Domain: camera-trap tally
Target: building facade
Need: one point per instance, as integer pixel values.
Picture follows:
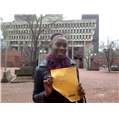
(95, 40)
(79, 34)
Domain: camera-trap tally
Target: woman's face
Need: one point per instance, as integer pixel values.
(58, 48)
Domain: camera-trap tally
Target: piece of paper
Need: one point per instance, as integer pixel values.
(66, 83)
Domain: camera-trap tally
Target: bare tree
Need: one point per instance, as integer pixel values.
(78, 52)
(110, 51)
(87, 53)
(36, 28)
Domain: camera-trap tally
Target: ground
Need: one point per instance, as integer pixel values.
(100, 87)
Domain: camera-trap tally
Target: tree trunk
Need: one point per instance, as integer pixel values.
(34, 68)
(30, 64)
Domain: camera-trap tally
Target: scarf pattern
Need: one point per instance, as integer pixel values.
(51, 64)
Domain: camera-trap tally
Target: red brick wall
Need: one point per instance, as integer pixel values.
(13, 59)
(77, 62)
(98, 62)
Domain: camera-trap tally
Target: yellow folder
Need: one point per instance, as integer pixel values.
(66, 83)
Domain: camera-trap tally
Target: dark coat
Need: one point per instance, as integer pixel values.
(41, 74)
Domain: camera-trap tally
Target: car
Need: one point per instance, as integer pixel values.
(115, 66)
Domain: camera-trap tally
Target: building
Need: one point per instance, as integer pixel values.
(79, 34)
(95, 40)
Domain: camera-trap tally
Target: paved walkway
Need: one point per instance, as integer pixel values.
(100, 87)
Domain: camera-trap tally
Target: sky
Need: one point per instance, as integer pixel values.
(108, 14)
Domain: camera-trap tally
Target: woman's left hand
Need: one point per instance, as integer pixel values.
(81, 92)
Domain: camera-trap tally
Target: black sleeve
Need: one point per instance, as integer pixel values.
(38, 92)
(82, 100)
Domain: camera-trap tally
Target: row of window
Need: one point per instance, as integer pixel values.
(52, 31)
(29, 42)
(48, 37)
(66, 25)
(76, 42)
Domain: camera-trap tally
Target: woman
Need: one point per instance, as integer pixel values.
(43, 90)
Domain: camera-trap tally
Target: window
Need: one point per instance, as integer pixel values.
(24, 37)
(83, 36)
(68, 25)
(65, 31)
(77, 30)
(83, 24)
(86, 24)
(80, 24)
(48, 37)
(68, 31)
(68, 37)
(49, 31)
(74, 24)
(93, 24)
(65, 25)
(71, 25)
(71, 31)
(89, 36)
(74, 36)
(59, 25)
(62, 25)
(80, 36)
(77, 36)
(77, 24)
(83, 30)
(80, 30)
(89, 24)
(69, 43)
(86, 37)
(74, 30)
(86, 30)
(71, 36)
(62, 31)
(54, 25)
(89, 30)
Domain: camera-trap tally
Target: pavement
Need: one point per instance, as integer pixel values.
(100, 87)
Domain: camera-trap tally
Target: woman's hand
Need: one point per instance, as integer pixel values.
(81, 92)
(48, 86)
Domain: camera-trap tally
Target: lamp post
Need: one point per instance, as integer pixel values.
(41, 53)
(40, 56)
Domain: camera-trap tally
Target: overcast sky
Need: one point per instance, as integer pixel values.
(108, 14)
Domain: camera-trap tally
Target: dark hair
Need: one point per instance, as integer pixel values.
(55, 34)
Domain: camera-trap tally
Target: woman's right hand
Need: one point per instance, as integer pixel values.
(48, 86)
